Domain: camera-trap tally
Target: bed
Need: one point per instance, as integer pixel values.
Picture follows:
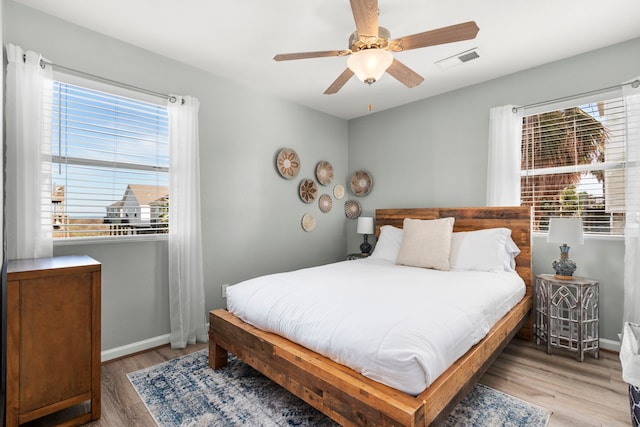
(349, 397)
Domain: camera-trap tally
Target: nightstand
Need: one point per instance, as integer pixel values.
(566, 314)
(351, 257)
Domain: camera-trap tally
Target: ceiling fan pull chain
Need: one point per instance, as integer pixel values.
(369, 107)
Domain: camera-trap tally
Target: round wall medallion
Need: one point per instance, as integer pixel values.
(324, 172)
(325, 203)
(308, 190)
(361, 183)
(288, 163)
(352, 209)
(308, 222)
(338, 191)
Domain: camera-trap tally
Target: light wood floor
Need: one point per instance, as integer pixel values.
(590, 393)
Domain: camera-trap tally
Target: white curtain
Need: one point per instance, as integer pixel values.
(503, 166)
(28, 131)
(186, 285)
(632, 201)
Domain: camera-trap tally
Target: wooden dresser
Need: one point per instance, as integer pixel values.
(53, 338)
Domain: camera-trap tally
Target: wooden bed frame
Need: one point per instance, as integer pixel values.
(354, 400)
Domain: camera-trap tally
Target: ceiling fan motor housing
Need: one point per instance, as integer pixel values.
(358, 43)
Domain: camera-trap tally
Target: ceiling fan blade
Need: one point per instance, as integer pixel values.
(306, 55)
(339, 82)
(365, 13)
(453, 33)
(404, 74)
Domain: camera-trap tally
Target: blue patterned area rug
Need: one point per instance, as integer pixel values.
(186, 392)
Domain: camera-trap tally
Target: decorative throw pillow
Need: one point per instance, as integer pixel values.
(426, 243)
(388, 244)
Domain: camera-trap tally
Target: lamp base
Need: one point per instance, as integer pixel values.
(559, 277)
(563, 266)
(365, 247)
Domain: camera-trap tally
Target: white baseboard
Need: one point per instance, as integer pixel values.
(136, 347)
(610, 345)
(125, 350)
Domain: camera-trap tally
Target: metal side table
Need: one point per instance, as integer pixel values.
(566, 314)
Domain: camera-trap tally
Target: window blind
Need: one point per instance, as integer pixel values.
(109, 164)
(573, 164)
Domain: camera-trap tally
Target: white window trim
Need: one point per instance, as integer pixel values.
(73, 79)
(99, 240)
(569, 103)
(66, 77)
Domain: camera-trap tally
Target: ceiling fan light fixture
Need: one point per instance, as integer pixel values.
(370, 64)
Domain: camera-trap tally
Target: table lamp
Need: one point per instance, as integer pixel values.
(365, 226)
(565, 230)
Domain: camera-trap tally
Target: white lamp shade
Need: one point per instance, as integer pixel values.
(370, 64)
(565, 230)
(365, 225)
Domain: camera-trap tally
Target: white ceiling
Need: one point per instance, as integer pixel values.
(237, 39)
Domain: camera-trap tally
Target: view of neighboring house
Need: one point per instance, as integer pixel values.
(57, 201)
(141, 207)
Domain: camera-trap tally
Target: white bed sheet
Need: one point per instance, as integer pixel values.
(402, 326)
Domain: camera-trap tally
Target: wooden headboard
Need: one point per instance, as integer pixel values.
(517, 218)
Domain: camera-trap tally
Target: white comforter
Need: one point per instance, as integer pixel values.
(401, 326)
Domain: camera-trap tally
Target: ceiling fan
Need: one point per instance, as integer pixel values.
(370, 47)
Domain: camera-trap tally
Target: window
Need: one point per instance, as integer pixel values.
(109, 165)
(573, 164)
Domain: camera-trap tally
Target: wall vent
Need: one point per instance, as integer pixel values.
(460, 58)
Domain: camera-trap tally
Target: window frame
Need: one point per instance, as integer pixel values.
(560, 104)
(112, 89)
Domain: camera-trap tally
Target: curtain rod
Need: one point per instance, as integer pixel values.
(171, 98)
(634, 84)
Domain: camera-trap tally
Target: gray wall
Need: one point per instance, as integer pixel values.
(429, 153)
(434, 153)
(251, 216)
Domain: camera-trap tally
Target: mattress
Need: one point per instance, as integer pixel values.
(398, 325)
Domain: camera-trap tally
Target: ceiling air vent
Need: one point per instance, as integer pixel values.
(452, 61)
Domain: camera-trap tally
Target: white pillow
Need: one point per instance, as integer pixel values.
(512, 251)
(388, 244)
(491, 249)
(426, 243)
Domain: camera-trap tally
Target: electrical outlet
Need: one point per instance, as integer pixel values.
(224, 290)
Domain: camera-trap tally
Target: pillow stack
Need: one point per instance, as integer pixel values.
(433, 244)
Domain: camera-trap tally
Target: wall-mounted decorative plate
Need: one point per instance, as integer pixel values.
(352, 209)
(361, 183)
(288, 163)
(308, 190)
(324, 172)
(308, 222)
(338, 191)
(325, 203)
